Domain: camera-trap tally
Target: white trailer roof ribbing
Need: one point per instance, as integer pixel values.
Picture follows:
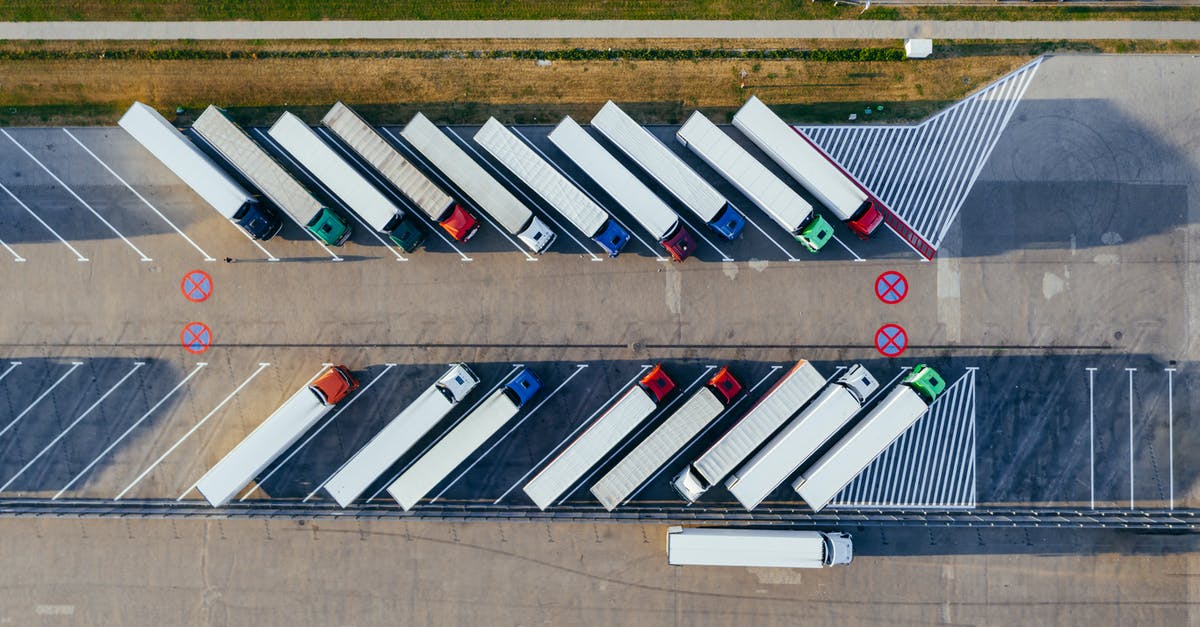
(745, 547)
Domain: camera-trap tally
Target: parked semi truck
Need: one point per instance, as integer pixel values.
(600, 437)
(648, 209)
(673, 434)
(753, 179)
(551, 185)
(439, 206)
(475, 182)
(698, 546)
(236, 147)
(319, 158)
(811, 167)
(797, 441)
(784, 399)
(468, 435)
(394, 440)
(275, 435)
(888, 420)
(669, 170)
(193, 167)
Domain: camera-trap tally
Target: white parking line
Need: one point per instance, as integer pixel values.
(634, 438)
(334, 256)
(632, 232)
(174, 446)
(16, 257)
(578, 369)
(851, 250)
(408, 206)
(207, 257)
(78, 255)
(415, 156)
(1092, 432)
(64, 432)
(12, 365)
(1131, 371)
(1170, 435)
(620, 391)
(392, 248)
(789, 254)
(133, 426)
(532, 204)
(76, 196)
(483, 398)
(74, 365)
(316, 431)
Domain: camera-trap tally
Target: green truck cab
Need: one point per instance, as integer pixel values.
(330, 227)
(926, 381)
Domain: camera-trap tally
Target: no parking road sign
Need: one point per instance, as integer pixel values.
(891, 340)
(197, 286)
(891, 287)
(196, 337)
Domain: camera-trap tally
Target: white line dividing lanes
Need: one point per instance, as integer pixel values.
(12, 365)
(74, 365)
(261, 367)
(78, 255)
(318, 430)
(1171, 435)
(571, 435)
(1092, 431)
(207, 257)
(16, 257)
(64, 432)
(110, 447)
(1131, 371)
(76, 196)
(578, 369)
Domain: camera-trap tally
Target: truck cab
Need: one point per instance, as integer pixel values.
(537, 236)
(612, 238)
(333, 385)
(522, 388)
(680, 243)
(865, 220)
(689, 485)
(728, 223)
(329, 227)
(657, 383)
(460, 223)
(407, 234)
(258, 220)
(814, 235)
(926, 381)
(839, 548)
(456, 384)
(860, 382)
(725, 386)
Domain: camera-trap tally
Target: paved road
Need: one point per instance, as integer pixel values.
(604, 29)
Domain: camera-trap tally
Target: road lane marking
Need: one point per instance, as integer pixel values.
(78, 255)
(174, 446)
(12, 365)
(1171, 435)
(77, 197)
(74, 365)
(64, 432)
(1131, 371)
(1092, 432)
(16, 256)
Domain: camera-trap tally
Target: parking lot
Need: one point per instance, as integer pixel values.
(1064, 333)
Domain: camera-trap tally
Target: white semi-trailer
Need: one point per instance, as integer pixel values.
(673, 434)
(811, 167)
(551, 185)
(669, 170)
(394, 440)
(236, 147)
(699, 546)
(648, 209)
(278, 432)
(802, 437)
(753, 179)
(319, 158)
(193, 167)
(468, 435)
(475, 182)
(888, 420)
(784, 399)
(600, 437)
(404, 176)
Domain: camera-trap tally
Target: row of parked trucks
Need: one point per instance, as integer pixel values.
(797, 418)
(329, 153)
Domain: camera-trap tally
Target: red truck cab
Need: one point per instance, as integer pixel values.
(866, 220)
(460, 224)
(334, 384)
(725, 386)
(657, 383)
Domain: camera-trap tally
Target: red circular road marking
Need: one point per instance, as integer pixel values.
(196, 337)
(891, 287)
(891, 340)
(197, 286)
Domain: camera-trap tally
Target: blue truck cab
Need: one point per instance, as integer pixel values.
(522, 388)
(728, 223)
(258, 220)
(612, 237)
